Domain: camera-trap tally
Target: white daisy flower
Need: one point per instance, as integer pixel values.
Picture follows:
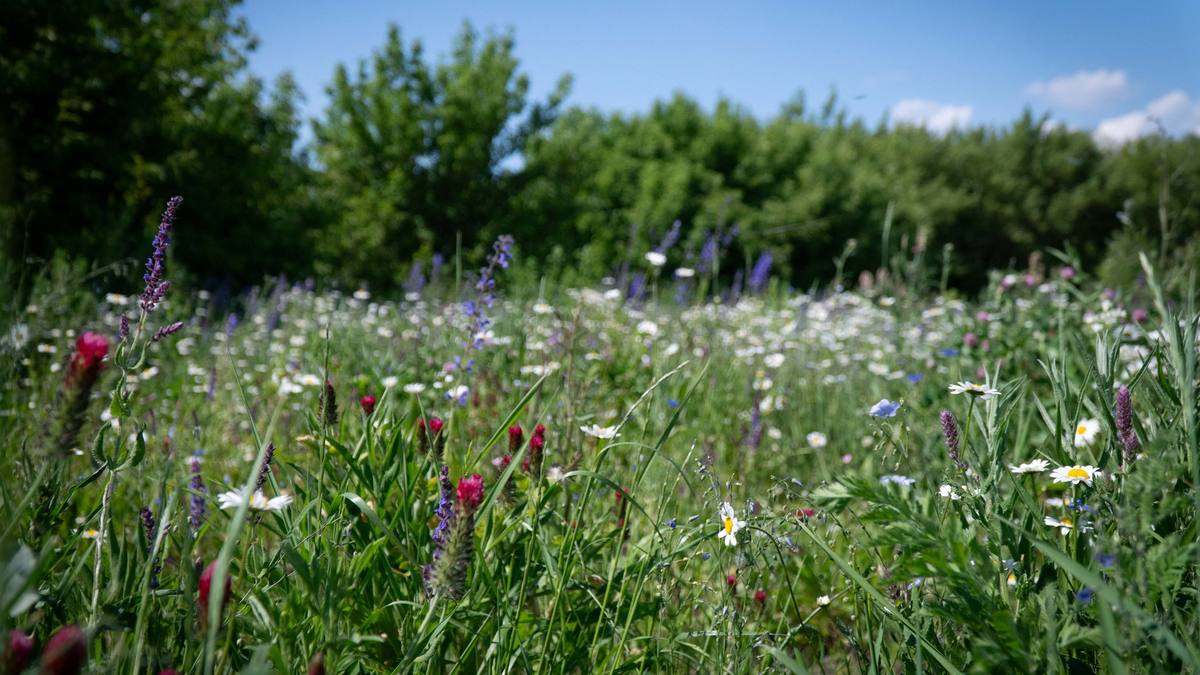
(897, 480)
(647, 327)
(1063, 524)
(685, 273)
(1075, 474)
(730, 525)
(823, 601)
(1032, 466)
(390, 382)
(949, 492)
(597, 431)
(773, 360)
(90, 533)
(258, 501)
(816, 440)
(656, 259)
(542, 308)
(414, 388)
(1085, 432)
(983, 391)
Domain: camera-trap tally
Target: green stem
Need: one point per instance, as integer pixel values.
(105, 501)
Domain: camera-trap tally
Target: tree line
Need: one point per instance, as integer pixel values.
(106, 109)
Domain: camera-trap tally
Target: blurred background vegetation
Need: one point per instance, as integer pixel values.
(106, 109)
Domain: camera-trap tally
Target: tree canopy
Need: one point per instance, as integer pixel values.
(107, 109)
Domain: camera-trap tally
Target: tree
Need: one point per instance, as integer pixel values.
(107, 109)
(416, 156)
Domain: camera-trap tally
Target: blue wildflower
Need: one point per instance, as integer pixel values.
(1085, 595)
(1079, 505)
(708, 254)
(885, 408)
(416, 279)
(761, 273)
(671, 237)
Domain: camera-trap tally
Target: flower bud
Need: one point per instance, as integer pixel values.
(329, 408)
(87, 361)
(66, 652)
(206, 578)
(368, 404)
(317, 665)
(18, 653)
(470, 491)
(516, 436)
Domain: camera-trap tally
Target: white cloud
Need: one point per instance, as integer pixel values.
(1085, 89)
(1175, 111)
(1120, 130)
(938, 118)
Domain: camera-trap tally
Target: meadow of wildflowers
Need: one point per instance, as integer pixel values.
(632, 477)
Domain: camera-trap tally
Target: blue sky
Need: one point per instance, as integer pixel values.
(1108, 67)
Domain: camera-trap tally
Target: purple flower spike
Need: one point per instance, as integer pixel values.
(156, 285)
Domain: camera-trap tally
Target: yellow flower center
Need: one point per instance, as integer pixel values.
(728, 525)
(1065, 522)
(1080, 430)
(1077, 472)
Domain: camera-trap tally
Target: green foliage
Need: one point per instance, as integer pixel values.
(106, 107)
(415, 155)
(873, 549)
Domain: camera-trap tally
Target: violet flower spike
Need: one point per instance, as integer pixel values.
(761, 273)
(671, 238)
(151, 529)
(197, 515)
(156, 285)
(1124, 419)
(754, 438)
(169, 329)
(265, 470)
(950, 432)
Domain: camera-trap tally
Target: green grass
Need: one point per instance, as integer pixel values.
(606, 557)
